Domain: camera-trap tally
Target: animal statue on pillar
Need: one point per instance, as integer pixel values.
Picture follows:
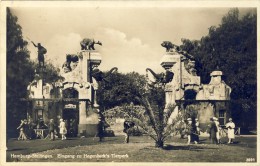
(163, 78)
(100, 76)
(169, 46)
(88, 44)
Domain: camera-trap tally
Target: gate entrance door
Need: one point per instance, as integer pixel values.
(71, 117)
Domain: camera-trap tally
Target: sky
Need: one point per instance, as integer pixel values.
(131, 36)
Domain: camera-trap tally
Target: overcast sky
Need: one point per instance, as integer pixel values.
(131, 37)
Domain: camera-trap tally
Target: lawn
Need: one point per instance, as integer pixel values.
(140, 149)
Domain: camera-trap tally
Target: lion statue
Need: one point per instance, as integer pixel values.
(169, 46)
(88, 44)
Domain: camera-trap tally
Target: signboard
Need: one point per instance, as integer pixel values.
(70, 106)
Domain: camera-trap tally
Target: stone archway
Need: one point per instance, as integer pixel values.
(70, 112)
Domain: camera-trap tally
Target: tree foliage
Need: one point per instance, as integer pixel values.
(121, 89)
(231, 48)
(127, 90)
(20, 72)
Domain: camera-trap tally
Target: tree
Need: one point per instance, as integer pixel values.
(120, 90)
(231, 48)
(152, 118)
(20, 72)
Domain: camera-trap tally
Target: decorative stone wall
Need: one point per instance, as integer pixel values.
(77, 76)
(207, 99)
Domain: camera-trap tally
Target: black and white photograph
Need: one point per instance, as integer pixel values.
(128, 83)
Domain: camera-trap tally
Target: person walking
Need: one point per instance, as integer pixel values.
(22, 135)
(212, 131)
(51, 130)
(231, 131)
(101, 129)
(127, 126)
(189, 130)
(63, 130)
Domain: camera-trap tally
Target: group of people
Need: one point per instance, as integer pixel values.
(27, 129)
(192, 130)
(24, 130)
(62, 129)
(215, 130)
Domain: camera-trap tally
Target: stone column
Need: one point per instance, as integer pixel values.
(167, 62)
(82, 112)
(88, 116)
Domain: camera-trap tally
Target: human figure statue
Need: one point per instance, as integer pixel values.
(41, 52)
(231, 131)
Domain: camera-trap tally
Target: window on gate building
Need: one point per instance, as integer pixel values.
(222, 117)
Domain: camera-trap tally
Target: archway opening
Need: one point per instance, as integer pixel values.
(190, 94)
(70, 112)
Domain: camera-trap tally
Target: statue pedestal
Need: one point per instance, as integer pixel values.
(169, 59)
(88, 117)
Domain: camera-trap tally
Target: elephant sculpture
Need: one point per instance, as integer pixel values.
(88, 44)
(163, 78)
(99, 75)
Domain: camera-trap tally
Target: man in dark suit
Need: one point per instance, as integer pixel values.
(127, 125)
(51, 129)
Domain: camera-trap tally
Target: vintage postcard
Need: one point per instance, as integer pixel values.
(129, 82)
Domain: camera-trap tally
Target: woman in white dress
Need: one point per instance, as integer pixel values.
(231, 131)
(63, 129)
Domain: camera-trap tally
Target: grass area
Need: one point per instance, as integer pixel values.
(141, 149)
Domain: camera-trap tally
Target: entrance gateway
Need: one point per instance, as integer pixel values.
(72, 99)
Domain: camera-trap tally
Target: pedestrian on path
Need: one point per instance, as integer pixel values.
(127, 126)
(22, 135)
(63, 130)
(51, 130)
(212, 131)
(231, 131)
(189, 130)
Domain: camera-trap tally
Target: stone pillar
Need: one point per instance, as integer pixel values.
(88, 116)
(169, 60)
(82, 112)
